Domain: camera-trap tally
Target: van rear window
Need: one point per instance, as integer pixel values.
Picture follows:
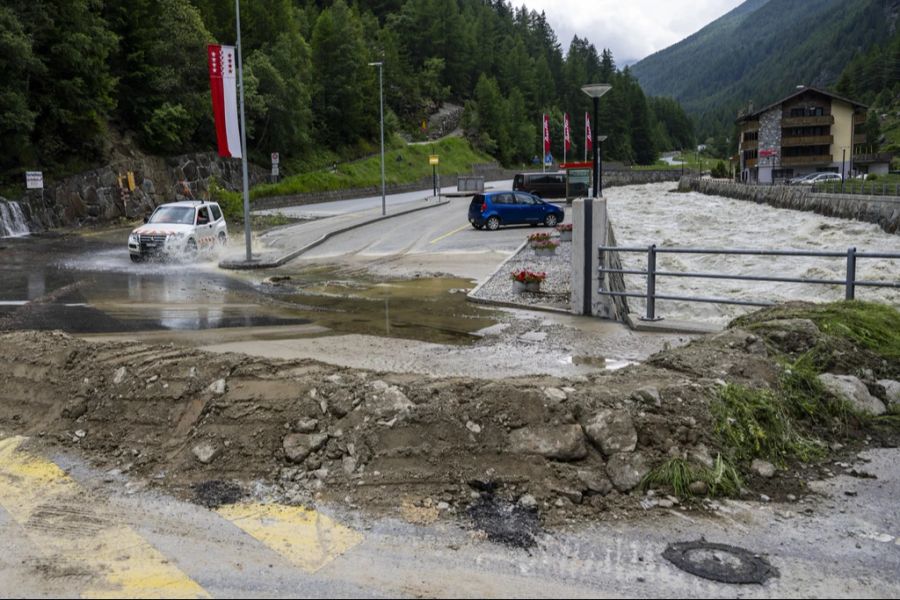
(477, 201)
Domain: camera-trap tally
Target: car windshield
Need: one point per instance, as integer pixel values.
(180, 215)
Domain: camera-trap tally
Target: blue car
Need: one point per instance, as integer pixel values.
(493, 209)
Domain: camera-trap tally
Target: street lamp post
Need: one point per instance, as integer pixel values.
(843, 162)
(595, 90)
(600, 140)
(380, 66)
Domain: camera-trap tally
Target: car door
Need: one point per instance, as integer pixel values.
(219, 220)
(205, 227)
(529, 207)
(507, 208)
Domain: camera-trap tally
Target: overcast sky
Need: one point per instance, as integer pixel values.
(632, 29)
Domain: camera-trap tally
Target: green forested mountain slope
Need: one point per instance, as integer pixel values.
(74, 69)
(760, 51)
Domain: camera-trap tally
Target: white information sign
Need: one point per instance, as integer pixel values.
(34, 180)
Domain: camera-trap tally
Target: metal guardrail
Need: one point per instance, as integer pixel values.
(850, 186)
(849, 282)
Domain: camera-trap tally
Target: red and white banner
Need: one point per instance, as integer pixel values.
(588, 138)
(546, 135)
(223, 85)
(567, 133)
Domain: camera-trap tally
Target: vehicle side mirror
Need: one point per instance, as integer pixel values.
(146, 219)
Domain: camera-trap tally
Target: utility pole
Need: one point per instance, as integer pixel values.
(237, 12)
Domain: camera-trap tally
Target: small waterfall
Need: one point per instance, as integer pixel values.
(12, 220)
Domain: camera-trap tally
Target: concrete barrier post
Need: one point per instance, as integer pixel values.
(590, 226)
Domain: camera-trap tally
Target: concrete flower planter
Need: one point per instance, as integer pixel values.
(520, 287)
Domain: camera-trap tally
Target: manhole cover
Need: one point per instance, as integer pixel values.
(719, 562)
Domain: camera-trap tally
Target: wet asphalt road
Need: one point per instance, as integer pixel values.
(87, 284)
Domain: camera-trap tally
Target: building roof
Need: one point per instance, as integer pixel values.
(798, 92)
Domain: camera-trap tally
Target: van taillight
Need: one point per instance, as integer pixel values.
(483, 206)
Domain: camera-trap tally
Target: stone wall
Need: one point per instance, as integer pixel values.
(883, 210)
(96, 196)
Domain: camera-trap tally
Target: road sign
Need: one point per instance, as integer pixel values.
(433, 160)
(274, 158)
(274, 169)
(34, 180)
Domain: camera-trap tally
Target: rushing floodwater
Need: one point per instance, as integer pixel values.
(644, 215)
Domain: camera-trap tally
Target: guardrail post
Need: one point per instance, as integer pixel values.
(851, 274)
(651, 283)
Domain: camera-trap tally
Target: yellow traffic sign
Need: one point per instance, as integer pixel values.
(433, 159)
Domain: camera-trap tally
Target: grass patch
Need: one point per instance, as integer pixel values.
(873, 326)
(402, 164)
(721, 479)
(754, 423)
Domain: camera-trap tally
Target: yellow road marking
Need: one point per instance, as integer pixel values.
(73, 529)
(446, 235)
(305, 537)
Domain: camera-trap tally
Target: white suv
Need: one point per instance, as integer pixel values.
(179, 229)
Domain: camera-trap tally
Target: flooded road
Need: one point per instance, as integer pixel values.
(87, 284)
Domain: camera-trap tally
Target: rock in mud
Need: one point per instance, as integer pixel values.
(892, 391)
(698, 488)
(791, 335)
(119, 377)
(763, 468)
(626, 470)
(853, 391)
(218, 387)
(555, 394)
(76, 408)
(297, 446)
(612, 431)
(389, 401)
(205, 452)
(565, 442)
(650, 395)
(595, 481)
(306, 425)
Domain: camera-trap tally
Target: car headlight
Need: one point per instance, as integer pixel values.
(178, 236)
(133, 239)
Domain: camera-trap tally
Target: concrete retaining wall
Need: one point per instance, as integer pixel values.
(882, 210)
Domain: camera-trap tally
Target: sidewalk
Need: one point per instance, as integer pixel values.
(284, 244)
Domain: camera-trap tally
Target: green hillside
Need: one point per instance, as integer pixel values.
(760, 51)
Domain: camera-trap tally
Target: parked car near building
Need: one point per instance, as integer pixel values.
(493, 209)
(179, 229)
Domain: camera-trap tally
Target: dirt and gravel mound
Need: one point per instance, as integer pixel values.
(198, 424)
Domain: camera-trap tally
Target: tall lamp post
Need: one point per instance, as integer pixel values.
(380, 66)
(595, 90)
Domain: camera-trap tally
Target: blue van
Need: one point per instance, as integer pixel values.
(493, 209)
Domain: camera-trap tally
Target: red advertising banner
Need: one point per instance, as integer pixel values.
(223, 86)
(567, 134)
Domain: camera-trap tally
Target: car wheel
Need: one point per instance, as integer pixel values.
(190, 249)
(136, 258)
(493, 224)
(551, 220)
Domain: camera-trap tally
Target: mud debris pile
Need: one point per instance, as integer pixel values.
(304, 432)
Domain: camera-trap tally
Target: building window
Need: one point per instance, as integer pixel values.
(822, 150)
(750, 155)
(750, 136)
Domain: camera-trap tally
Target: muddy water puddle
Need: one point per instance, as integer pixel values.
(432, 309)
(87, 284)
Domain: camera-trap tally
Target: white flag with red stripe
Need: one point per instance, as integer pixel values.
(546, 134)
(223, 85)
